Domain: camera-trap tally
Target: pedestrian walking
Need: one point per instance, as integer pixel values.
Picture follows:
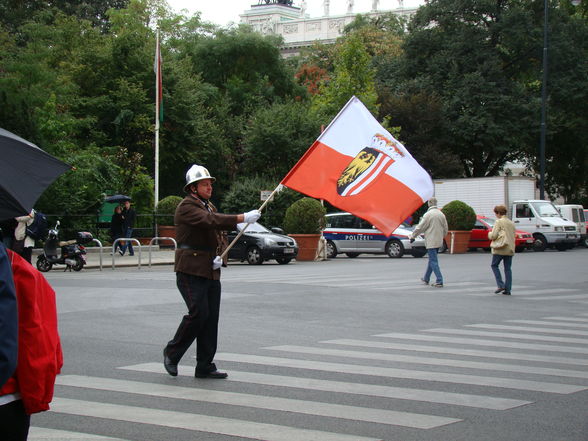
(117, 228)
(433, 226)
(25, 243)
(201, 241)
(503, 249)
(129, 216)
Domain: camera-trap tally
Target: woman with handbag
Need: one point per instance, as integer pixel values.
(503, 248)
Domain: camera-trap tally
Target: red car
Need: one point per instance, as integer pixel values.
(479, 237)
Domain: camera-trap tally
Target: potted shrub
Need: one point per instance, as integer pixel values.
(460, 221)
(165, 211)
(304, 221)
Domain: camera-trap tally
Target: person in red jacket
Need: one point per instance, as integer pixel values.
(30, 389)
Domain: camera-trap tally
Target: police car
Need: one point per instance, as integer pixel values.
(351, 235)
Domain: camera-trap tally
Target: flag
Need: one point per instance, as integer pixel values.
(158, 84)
(357, 166)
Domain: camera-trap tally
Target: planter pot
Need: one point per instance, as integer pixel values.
(166, 231)
(307, 245)
(458, 241)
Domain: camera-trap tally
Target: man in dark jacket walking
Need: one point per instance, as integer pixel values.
(129, 216)
(201, 241)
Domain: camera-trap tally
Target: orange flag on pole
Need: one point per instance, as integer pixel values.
(357, 166)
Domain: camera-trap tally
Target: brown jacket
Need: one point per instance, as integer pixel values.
(202, 231)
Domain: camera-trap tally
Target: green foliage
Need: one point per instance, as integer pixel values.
(353, 75)
(142, 194)
(166, 208)
(460, 216)
(244, 195)
(305, 216)
(277, 138)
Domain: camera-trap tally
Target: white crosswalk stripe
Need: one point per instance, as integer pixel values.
(397, 358)
(457, 351)
(510, 335)
(543, 365)
(403, 393)
(487, 342)
(356, 413)
(529, 329)
(196, 422)
(44, 434)
(479, 380)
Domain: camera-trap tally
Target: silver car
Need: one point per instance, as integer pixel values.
(349, 234)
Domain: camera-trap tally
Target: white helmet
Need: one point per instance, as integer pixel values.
(195, 174)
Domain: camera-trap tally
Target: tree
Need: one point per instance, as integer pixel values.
(476, 56)
(352, 75)
(277, 138)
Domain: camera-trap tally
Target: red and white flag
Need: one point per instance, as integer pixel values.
(357, 166)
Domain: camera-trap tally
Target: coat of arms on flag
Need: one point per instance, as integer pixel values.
(357, 166)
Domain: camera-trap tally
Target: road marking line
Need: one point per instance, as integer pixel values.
(377, 371)
(355, 413)
(193, 421)
(483, 342)
(431, 361)
(529, 329)
(44, 434)
(547, 323)
(509, 335)
(457, 351)
(373, 390)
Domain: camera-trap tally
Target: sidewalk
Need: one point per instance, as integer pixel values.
(159, 256)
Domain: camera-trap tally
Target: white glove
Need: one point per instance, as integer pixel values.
(217, 263)
(251, 216)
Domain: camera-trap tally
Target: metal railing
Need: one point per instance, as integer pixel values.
(129, 239)
(158, 239)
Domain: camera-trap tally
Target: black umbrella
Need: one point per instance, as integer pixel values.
(25, 172)
(117, 198)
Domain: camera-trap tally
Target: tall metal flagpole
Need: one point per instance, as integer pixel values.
(157, 104)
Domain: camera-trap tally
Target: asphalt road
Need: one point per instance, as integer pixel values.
(346, 349)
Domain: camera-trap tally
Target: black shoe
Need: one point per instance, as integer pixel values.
(499, 290)
(131, 254)
(121, 252)
(506, 293)
(170, 366)
(212, 374)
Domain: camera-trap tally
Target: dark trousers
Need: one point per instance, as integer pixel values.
(14, 422)
(202, 297)
(128, 244)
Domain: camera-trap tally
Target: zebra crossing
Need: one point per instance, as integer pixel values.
(423, 381)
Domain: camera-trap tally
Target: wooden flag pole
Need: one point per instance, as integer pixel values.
(222, 256)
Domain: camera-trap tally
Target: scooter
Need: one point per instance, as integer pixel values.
(72, 253)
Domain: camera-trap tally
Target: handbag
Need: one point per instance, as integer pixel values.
(500, 241)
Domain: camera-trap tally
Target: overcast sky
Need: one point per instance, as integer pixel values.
(223, 12)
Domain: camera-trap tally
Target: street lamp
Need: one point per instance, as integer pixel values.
(544, 100)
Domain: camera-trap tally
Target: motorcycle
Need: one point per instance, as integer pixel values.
(70, 253)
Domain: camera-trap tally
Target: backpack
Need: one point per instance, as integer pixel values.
(39, 228)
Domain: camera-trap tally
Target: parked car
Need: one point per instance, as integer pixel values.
(349, 234)
(258, 244)
(483, 225)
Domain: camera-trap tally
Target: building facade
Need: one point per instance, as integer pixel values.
(298, 29)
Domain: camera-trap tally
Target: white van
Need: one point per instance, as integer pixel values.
(544, 222)
(349, 234)
(575, 213)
